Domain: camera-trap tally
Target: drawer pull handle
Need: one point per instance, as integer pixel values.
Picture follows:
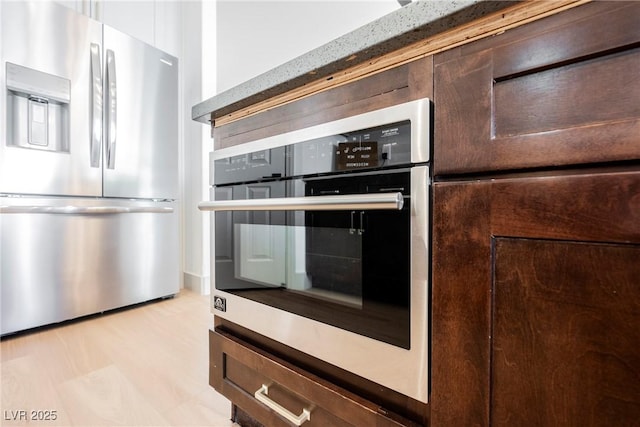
(262, 396)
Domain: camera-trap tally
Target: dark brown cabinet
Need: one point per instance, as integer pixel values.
(536, 301)
(536, 224)
(564, 342)
(560, 91)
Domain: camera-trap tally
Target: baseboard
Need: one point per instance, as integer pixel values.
(196, 283)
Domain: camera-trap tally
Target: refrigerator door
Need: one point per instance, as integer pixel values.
(62, 258)
(50, 100)
(141, 119)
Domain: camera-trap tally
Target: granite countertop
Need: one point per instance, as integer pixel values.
(414, 22)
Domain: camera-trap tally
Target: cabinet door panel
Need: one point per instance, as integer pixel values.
(535, 277)
(565, 334)
(562, 97)
(591, 206)
(563, 93)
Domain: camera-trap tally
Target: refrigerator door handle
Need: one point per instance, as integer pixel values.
(112, 109)
(96, 106)
(84, 210)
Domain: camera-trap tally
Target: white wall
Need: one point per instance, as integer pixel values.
(198, 54)
(256, 36)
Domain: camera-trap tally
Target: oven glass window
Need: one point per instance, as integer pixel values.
(320, 262)
(347, 268)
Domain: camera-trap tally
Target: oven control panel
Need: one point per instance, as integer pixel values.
(373, 148)
(257, 166)
(379, 147)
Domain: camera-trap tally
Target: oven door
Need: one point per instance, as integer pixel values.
(346, 265)
(336, 267)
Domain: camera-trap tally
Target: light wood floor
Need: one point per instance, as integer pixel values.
(145, 366)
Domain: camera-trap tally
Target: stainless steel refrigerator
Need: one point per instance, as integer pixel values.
(88, 167)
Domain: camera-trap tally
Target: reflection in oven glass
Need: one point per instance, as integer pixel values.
(321, 262)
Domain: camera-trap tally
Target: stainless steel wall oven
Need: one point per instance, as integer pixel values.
(321, 242)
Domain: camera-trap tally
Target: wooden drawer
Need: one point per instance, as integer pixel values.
(239, 370)
(560, 91)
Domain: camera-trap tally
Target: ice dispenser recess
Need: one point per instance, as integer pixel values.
(37, 109)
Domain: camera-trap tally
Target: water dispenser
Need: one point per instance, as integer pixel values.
(37, 109)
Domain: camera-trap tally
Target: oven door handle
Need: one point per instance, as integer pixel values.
(388, 201)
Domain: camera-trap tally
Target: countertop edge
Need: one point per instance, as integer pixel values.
(410, 24)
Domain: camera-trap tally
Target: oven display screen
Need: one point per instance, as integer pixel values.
(356, 155)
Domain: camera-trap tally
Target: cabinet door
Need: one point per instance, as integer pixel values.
(536, 301)
(560, 91)
(566, 328)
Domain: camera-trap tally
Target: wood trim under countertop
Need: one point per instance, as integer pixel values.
(517, 15)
